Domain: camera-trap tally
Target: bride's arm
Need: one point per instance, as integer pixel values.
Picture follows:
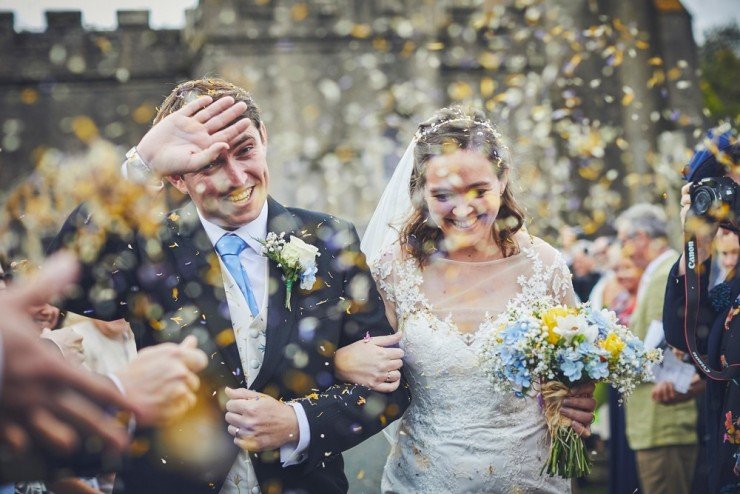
(374, 362)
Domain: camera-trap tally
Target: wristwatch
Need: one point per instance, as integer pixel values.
(136, 168)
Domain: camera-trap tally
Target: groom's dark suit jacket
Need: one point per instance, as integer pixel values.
(169, 285)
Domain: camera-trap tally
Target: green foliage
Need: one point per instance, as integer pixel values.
(720, 66)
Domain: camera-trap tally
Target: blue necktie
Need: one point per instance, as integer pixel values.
(229, 247)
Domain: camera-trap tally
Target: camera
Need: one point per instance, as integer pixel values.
(715, 198)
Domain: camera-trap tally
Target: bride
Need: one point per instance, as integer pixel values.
(448, 252)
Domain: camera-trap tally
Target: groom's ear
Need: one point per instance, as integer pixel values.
(178, 182)
(263, 133)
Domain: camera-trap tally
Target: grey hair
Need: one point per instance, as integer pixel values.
(644, 217)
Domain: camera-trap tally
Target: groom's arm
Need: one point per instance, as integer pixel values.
(108, 261)
(344, 415)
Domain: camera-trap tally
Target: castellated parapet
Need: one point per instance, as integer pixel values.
(65, 86)
(67, 52)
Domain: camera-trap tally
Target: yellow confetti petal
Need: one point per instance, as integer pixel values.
(225, 338)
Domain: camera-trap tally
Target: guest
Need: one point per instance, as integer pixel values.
(662, 431)
(583, 267)
(49, 407)
(623, 476)
(717, 321)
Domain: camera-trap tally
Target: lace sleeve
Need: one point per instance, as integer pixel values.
(562, 282)
(383, 274)
(557, 276)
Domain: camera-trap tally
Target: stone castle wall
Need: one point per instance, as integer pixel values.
(343, 83)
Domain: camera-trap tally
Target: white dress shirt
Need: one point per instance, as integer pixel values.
(254, 263)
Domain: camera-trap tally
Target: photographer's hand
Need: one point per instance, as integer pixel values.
(704, 230)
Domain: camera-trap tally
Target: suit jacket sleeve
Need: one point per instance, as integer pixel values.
(674, 309)
(109, 265)
(344, 415)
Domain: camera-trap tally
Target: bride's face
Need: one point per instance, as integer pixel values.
(463, 195)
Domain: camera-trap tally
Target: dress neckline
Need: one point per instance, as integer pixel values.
(477, 263)
(524, 240)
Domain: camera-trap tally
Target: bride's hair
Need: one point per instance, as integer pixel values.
(448, 130)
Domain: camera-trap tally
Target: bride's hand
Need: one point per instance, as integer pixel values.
(371, 363)
(579, 406)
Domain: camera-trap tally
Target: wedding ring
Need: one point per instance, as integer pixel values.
(593, 418)
(236, 434)
(388, 376)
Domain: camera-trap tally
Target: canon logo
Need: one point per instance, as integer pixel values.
(692, 255)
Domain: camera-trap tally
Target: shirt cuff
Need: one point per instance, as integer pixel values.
(119, 385)
(154, 186)
(292, 453)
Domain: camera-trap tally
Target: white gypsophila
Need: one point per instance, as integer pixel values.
(273, 243)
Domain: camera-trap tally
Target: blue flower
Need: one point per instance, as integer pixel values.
(597, 369)
(596, 317)
(308, 278)
(514, 332)
(571, 364)
(586, 349)
(520, 378)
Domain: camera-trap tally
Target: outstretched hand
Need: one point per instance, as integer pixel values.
(46, 403)
(579, 406)
(187, 140)
(162, 380)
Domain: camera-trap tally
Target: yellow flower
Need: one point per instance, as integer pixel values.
(612, 344)
(550, 320)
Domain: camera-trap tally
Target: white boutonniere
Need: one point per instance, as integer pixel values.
(296, 258)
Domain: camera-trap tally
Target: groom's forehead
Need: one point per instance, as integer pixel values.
(252, 131)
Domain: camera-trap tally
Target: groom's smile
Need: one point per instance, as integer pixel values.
(241, 196)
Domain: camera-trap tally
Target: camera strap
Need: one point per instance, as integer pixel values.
(691, 320)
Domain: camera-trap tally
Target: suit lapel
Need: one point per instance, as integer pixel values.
(196, 263)
(280, 321)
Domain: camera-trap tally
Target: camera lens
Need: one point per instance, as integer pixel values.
(702, 201)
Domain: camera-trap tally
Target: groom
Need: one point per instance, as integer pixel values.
(270, 386)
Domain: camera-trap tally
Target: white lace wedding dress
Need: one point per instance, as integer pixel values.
(459, 435)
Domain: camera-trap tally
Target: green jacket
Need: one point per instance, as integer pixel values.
(651, 424)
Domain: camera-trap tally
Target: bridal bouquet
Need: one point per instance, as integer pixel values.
(545, 348)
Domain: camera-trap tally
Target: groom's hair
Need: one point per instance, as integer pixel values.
(186, 92)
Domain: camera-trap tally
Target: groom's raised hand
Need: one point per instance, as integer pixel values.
(193, 136)
(258, 421)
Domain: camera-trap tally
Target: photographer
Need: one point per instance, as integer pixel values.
(718, 326)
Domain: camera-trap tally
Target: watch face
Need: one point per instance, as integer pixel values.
(135, 161)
